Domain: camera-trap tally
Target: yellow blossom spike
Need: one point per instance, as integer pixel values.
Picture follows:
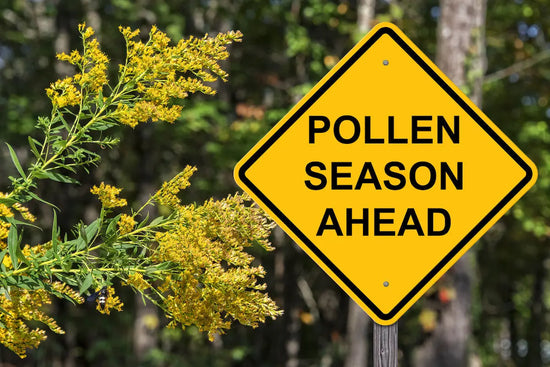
(107, 194)
(136, 280)
(126, 224)
(168, 194)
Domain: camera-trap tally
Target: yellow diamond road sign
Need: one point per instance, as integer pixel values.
(385, 173)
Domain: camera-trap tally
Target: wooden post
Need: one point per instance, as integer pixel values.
(385, 345)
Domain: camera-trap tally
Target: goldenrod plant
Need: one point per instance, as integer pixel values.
(191, 263)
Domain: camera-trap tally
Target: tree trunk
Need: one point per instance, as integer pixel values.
(537, 325)
(357, 334)
(292, 322)
(460, 39)
(146, 322)
(365, 15)
(93, 19)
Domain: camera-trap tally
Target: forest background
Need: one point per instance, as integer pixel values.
(492, 307)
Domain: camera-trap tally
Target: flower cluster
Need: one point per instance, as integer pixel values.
(19, 306)
(168, 193)
(7, 212)
(126, 224)
(92, 64)
(162, 73)
(61, 289)
(25, 214)
(193, 263)
(136, 281)
(112, 302)
(216, 283)
(107, 194)
(64, 93)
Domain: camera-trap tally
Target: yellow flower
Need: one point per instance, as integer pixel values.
(64, 289)
(74, 58)
(128, 33)
(5, 211)
(24, 211)
(168, 193)
(136, 280)
(126, 224)
(4, 230)
(108, 195)
(20, 305)
(64, 93)
(217, 283)
(157, 71)
(86, 32)
(92, 63)
(112, 302)
(7, 261)
(94, 67)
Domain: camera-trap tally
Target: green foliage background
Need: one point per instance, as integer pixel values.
(288, 46)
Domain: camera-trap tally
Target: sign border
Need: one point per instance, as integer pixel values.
(439, 77)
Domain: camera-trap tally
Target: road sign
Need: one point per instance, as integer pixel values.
(385, 173)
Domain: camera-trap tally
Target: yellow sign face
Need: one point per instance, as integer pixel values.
(385, 173)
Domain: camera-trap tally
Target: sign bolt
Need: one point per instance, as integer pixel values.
(386, 284)
(385, 62)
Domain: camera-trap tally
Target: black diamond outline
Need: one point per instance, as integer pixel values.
(292, 119)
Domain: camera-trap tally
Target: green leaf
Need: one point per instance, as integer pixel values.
(143, 223)
(66, 279)
(32, 144)
(162, 266)
(8, 202)
(59, 144)
(81, 233)
(54, 235)
(125, 246)
(13, 245)
(2, 267)
(36, 197)
(85, 116)
(56, 177)
(86, 284)
(102, 126)
(67, 265)
(112, 227)
(10, 280)
(16, 161)
(80, 243)
(29, 283)
(65, 124)
(99, 99)
(156, 221)
(14, 221)
(91, 229)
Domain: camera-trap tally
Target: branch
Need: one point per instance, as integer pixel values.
(517, 67)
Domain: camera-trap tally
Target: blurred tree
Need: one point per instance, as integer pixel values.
(459, 46)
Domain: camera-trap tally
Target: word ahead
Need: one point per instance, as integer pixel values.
(410, 222)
